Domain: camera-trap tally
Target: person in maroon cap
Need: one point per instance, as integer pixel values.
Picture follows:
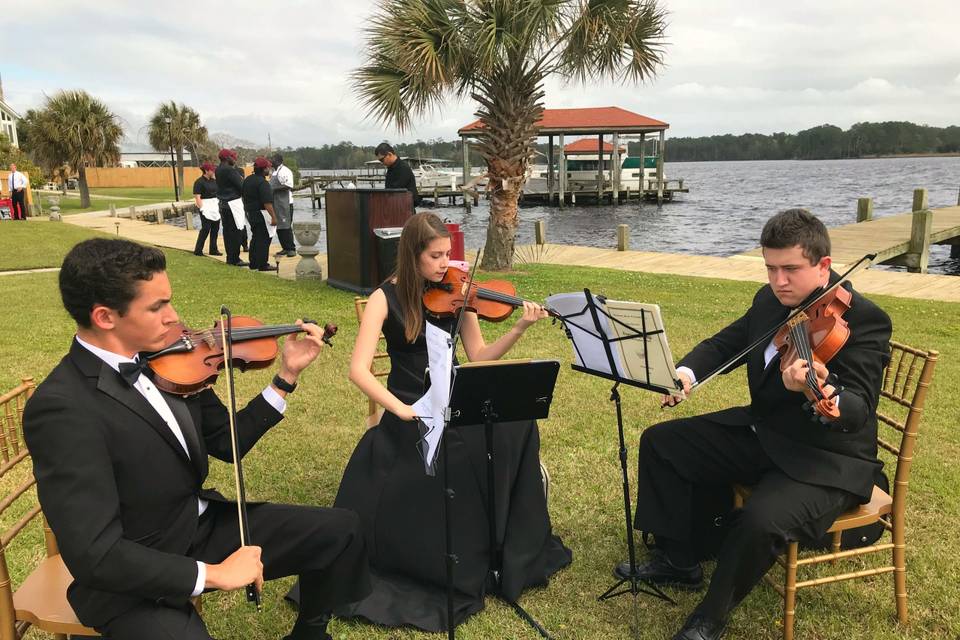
(229, 183)
(205, 197)
(258, 205)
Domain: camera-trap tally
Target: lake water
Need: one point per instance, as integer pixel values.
(728, 204)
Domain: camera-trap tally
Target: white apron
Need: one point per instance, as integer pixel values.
(210, 209)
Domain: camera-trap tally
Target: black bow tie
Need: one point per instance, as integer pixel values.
(130, 371)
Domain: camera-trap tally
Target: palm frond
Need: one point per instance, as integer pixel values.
(617, 39)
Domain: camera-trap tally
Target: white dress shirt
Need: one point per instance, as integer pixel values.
(285, 177)
(152, 395)
(17, 180)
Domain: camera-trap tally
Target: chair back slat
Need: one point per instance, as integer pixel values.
(905, 385)
(19, 491)
(13, 452)
(380, 367)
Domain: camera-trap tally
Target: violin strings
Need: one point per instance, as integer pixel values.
(249, 333)
(803, 349)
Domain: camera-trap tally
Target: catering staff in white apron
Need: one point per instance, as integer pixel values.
(281, 181)
(205, 197)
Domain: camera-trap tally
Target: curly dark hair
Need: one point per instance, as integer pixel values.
(105, 271)
(795, 227)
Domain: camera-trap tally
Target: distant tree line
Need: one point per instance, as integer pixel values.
(864, 139)
(346, 155)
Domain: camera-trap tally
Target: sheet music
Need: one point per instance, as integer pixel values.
(588, 351)
(640, 357)
(431, 407)
(631, 355)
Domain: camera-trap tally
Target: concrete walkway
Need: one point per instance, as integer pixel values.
(171, 237)
(739, 267)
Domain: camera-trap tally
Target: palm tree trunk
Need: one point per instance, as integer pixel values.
(501, 230)
(84, 189)
(510, 106)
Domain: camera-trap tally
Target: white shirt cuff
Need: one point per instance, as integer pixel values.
(274, 400)
(689, 373)
(201, 579)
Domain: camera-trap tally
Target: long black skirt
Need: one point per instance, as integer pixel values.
(401, 510)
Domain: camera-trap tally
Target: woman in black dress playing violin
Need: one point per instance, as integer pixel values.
(400, 506)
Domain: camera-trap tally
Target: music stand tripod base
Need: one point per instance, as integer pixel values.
(485, 393)
(633, 585)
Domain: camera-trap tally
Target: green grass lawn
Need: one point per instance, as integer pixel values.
(101, 199)
(145, 193)
(302, 459)
(35, 244)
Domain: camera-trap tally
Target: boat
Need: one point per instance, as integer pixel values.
(582, 164)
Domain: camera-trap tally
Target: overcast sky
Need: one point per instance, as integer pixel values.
(281, 67)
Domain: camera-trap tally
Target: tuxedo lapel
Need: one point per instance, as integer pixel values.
(110, 383)
(189, 429)
(767, 314)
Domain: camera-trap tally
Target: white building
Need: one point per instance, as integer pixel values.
(8, 120)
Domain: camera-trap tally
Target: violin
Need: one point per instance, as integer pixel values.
(492, 300)
(816, 335)
(193, 360)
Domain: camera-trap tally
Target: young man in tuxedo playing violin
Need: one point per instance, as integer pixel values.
(120, 468)
(803, 473)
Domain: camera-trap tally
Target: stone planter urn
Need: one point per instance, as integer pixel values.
(54, 202)
(307, 235)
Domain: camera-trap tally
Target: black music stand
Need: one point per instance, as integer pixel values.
(502, 391)
(588, 320)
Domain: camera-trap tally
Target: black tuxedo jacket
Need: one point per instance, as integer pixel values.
(117, 487)
(842, 455)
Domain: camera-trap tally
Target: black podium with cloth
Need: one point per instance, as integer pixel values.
(352, 216)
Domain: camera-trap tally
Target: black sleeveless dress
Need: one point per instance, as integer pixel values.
(401, 507)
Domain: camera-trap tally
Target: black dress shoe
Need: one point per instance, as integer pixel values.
(240, 263)
(198, 253)
(292, 254)
(698, 627)
(325, 636)
(269, 267)
(656, 570)
(214, 253)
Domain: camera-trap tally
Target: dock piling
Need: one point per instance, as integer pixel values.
(540, 231)
(918, 254)
(623, 237)
(864, 209)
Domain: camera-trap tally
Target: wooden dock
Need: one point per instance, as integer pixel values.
(903, 239)
(921, 286)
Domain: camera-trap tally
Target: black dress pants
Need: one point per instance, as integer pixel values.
(323, 546)
(18, 205)
(677, 455)
(231, 235)
(211, 228)
(259, 255)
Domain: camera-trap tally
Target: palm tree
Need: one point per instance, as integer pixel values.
(74, 129)
(499, 52)
(177, 125)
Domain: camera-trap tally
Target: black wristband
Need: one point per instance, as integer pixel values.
(283, 385)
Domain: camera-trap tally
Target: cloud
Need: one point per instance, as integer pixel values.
(283, 69)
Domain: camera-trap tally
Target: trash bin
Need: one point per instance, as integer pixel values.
(388, 241)
(456, 241)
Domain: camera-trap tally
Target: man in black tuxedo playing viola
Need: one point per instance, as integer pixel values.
(120, 467)
(804, 473)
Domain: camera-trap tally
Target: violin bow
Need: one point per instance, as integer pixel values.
(463, 307)
(863, 262)
(226, 334)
